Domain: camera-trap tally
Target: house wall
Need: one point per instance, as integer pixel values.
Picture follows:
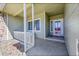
(40, 34)
(71, 27)
(15, 24)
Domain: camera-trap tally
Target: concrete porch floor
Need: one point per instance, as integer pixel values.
(47, 48)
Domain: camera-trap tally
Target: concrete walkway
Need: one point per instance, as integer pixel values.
(47, 48)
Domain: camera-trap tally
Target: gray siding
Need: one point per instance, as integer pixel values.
(15, 24)
(40, 34)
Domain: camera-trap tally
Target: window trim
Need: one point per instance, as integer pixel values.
(39, 25)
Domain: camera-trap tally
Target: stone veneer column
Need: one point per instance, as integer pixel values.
(4, 32)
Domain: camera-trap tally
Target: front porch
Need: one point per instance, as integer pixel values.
(34, 18)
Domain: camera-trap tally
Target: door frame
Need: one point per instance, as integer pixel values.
(50, 25)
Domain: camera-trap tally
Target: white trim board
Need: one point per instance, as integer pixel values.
(50, 25)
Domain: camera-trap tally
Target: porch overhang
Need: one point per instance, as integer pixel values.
(17, 9)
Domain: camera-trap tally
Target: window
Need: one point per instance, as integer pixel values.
(36, 25)
(29, 25)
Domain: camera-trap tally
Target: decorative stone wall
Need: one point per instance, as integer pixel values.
(4, 32)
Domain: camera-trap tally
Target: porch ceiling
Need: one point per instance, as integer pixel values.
(13, 9)
(51, 8)
(17, 9)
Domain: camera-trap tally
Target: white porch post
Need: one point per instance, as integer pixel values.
(44, 26)
(33, 23)
(25, 18)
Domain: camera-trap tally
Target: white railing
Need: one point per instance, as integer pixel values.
(19, 35)
(29, 38)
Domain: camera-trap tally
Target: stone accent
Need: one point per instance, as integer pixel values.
(11, 48)
(4, 31)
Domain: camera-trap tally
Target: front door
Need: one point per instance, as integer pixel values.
(58, 27)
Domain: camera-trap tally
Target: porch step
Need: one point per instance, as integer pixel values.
(56, 39)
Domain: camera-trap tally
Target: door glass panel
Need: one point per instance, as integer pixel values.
(51, 25)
